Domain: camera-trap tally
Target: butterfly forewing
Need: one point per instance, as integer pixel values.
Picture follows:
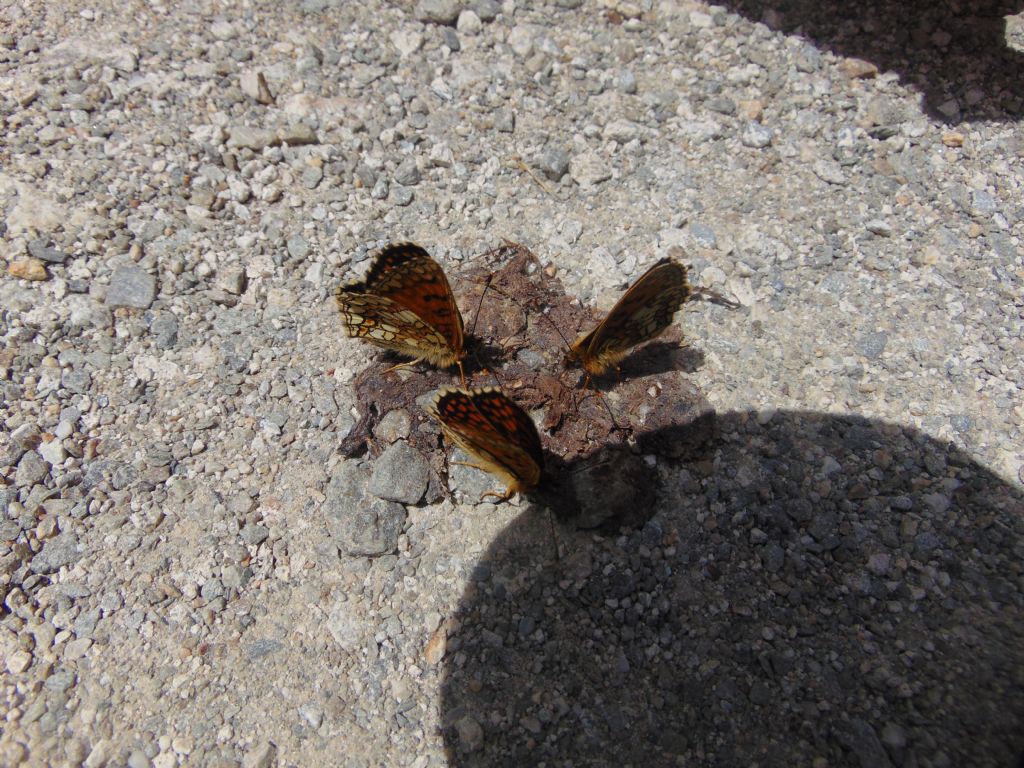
(489, 426)
(643, 312)
(405, 304)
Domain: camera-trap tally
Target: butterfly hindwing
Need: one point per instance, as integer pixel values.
(490, 427)
(644, 311)
(405, 304)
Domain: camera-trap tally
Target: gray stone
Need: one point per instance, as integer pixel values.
(469, 23)
(505, 121)
(589, 169)
(756, 136)
(56, 553)
(401, 196)
(407, 173)
(982, 204)
(395, 425)
(872, 345)
(31, 470)
(723, 105)
(346, 627)
(926, 542)
(829, 171)
(27, 436)
(312, 176)
(400, 474)
(879, 227)
(60, 680)
(53, 452)
(260, 756)
(703, 234)
(625, 81)
(360, 523)
(487, 10)
(824, 525)
(265, 646)
(212, 589)
(297, 247)
(233, 280)
(553, 162)
(9, 530)
(471, 735)
(254, 534)
(76, 380)
(520, 40)
(86, 622)
(131, 286)
(451, 38)
(312, 714)
(621, 131)
(256, 139)
(165, 330)
(297, 135)
(41, 249)
(438, 11)
(880, 563)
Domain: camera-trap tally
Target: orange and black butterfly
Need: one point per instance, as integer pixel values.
(405, 304)
(491, 428)
(644, 311)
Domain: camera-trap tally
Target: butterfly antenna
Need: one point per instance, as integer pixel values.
(565, 341)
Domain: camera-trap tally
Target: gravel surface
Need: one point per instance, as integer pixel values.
(191, 573)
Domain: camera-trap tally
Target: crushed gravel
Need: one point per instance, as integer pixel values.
(193, 574)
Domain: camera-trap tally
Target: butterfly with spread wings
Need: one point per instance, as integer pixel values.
(405, 304)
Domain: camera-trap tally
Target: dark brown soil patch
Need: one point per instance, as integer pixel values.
(598, 441)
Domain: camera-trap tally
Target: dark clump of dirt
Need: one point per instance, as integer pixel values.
(597, 440)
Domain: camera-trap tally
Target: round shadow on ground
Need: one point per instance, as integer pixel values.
(867, 613)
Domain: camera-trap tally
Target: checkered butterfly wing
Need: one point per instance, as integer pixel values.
(405, 304)
(490, 427)
(644, 311)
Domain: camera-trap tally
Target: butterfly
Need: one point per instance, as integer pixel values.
(500, 435)
(405, 304)
(643, 312)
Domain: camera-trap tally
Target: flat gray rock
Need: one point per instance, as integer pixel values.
(57, 552)
(361, 524)
(400, 474)
(131, 286)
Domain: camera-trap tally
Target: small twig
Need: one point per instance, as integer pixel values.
(529, 172)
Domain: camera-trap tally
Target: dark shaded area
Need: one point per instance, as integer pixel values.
(954, 52)
(518, 318)
(868, 613)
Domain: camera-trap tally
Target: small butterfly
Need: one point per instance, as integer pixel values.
(643, 312)
(405, 304)
(489, 426)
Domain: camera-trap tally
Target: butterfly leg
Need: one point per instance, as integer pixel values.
(499, 496)
(408, 364)
(462, 373)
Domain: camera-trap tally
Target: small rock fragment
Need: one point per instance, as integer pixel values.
(27, 269)
(131, 286)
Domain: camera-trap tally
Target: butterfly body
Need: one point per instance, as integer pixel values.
(644, 311)
(491, 428)
(405, 304)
